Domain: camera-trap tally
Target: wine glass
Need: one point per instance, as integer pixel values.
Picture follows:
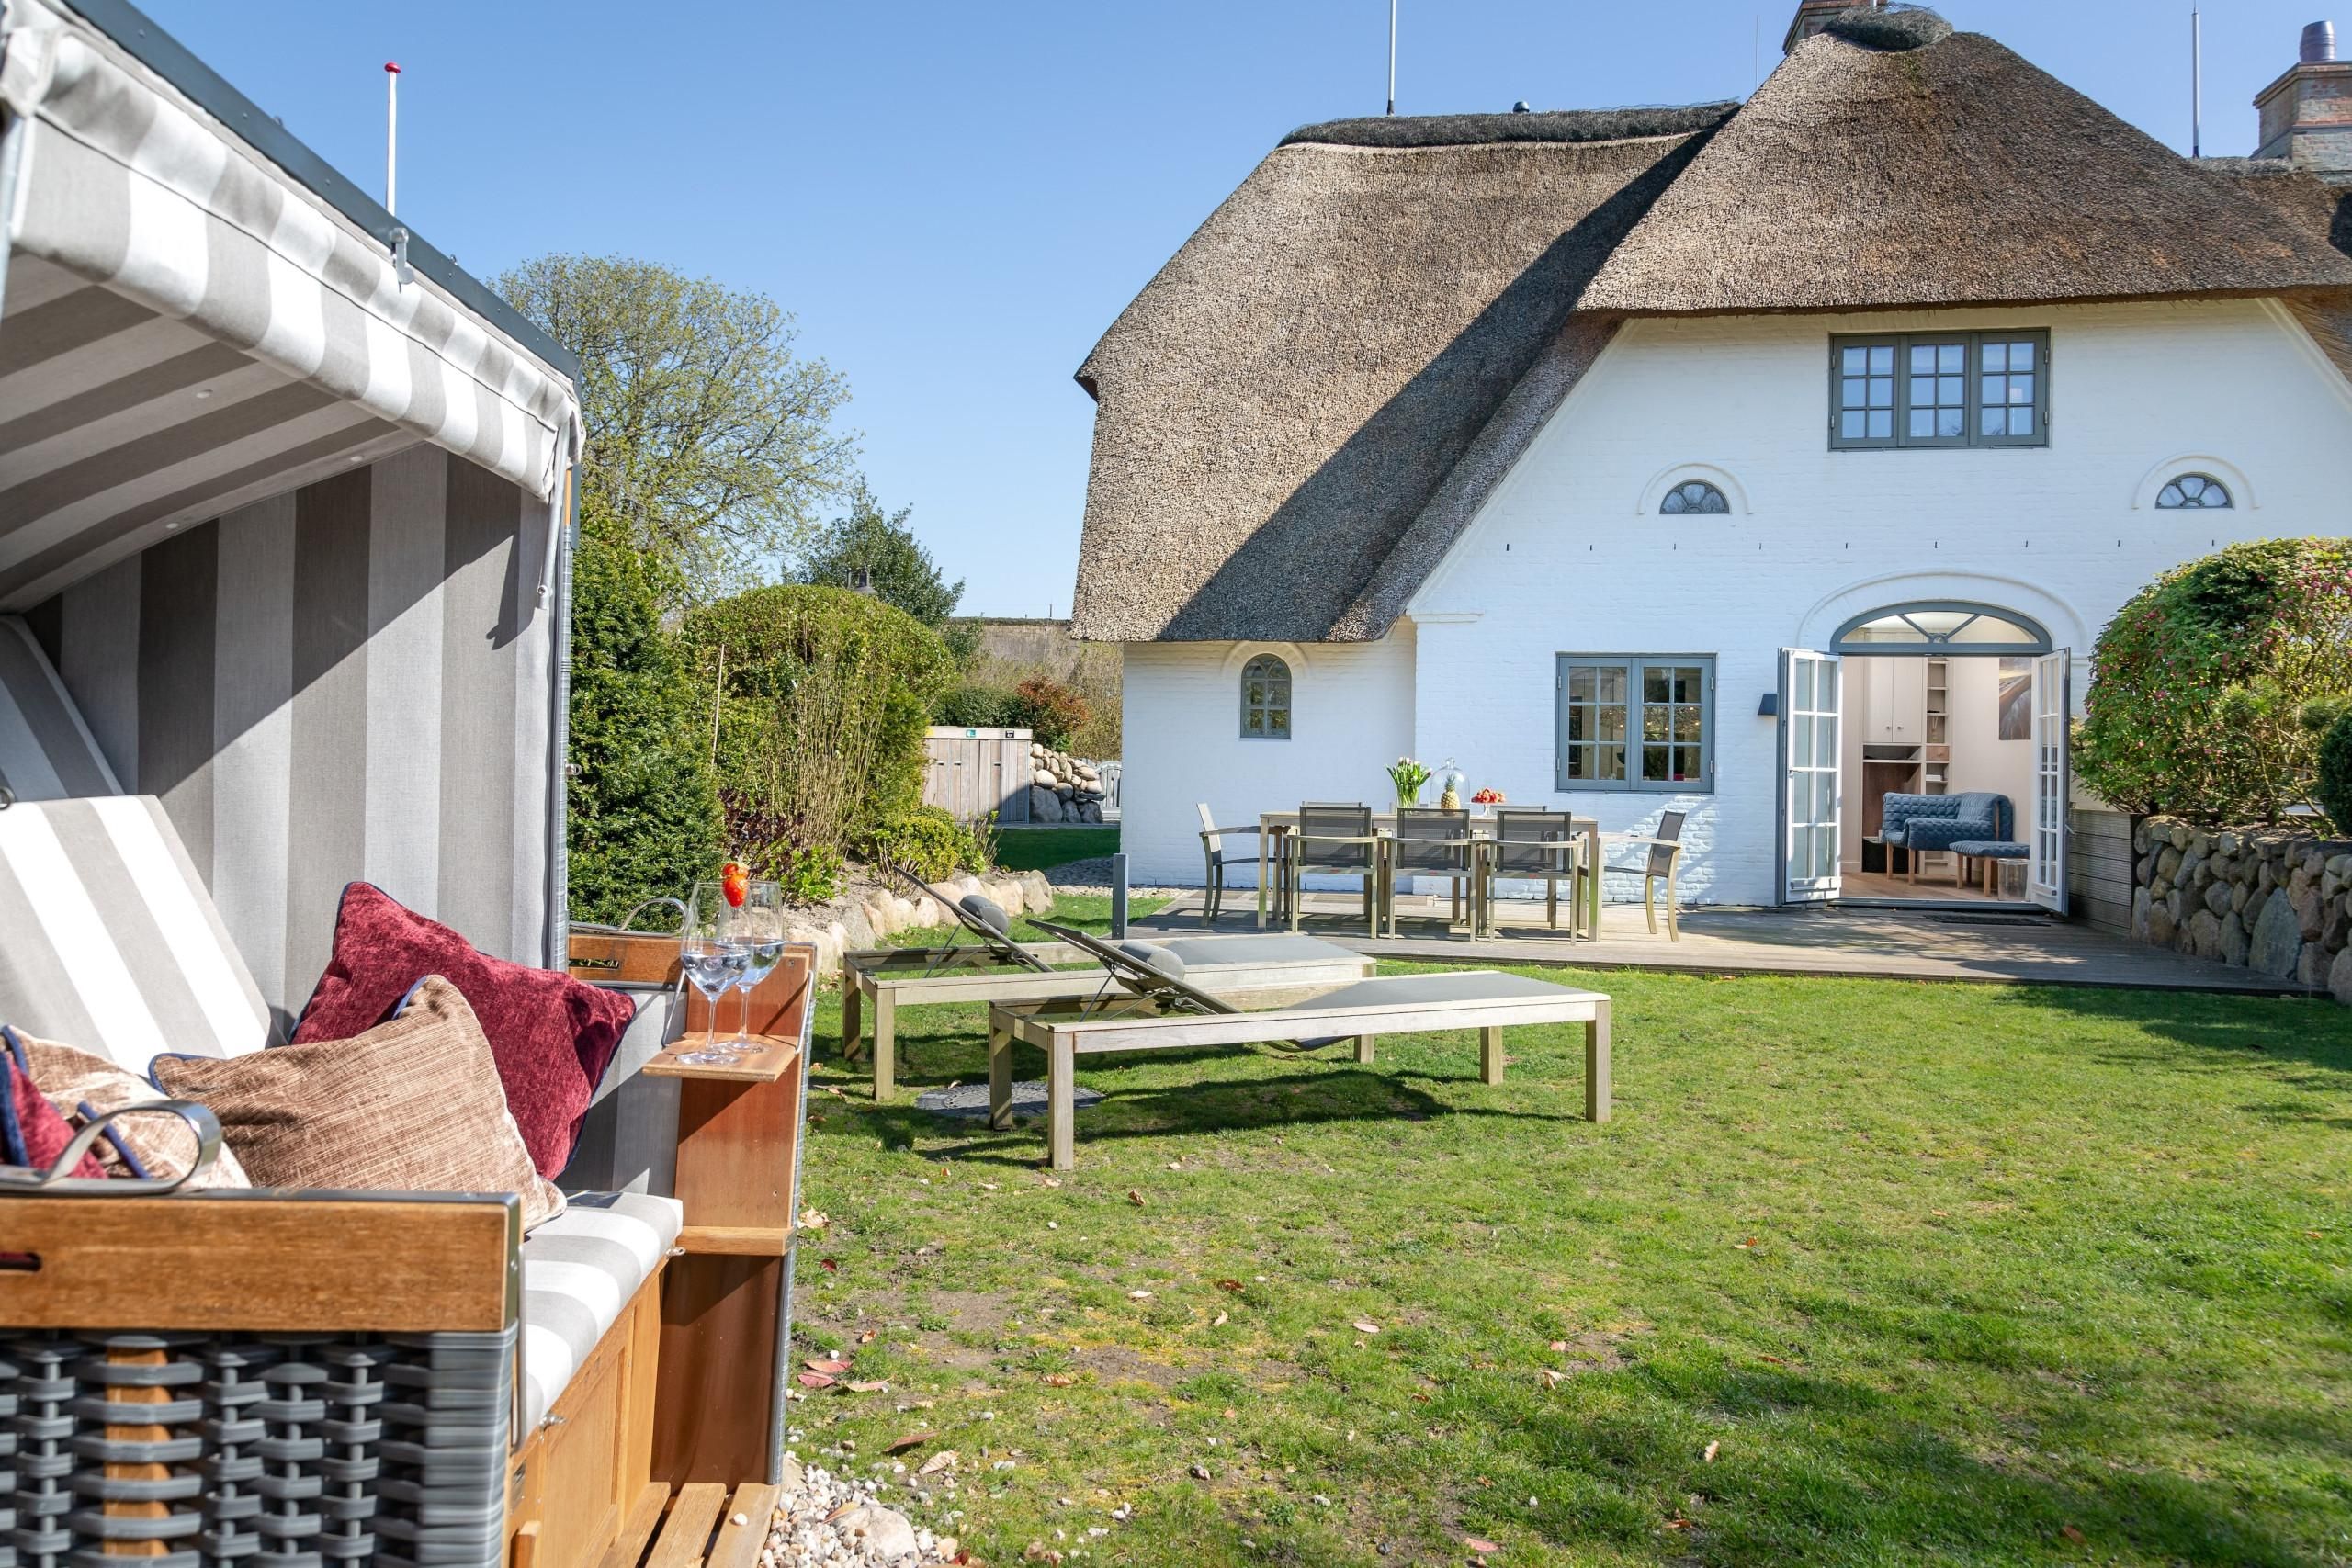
(714, 957)
(759, 926)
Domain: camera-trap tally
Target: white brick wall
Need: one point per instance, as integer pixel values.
(1569, 556)
(1353, 706)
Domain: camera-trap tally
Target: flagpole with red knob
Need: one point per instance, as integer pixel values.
(392, 134)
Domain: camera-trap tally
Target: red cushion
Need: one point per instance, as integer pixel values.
(31, 1132)
(552, 1035)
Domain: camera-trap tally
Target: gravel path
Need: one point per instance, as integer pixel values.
(841, 1522)
(1094, 876)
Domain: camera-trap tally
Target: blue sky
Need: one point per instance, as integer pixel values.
(957, 199)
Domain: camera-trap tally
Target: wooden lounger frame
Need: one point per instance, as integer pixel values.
(884, 979)
(1064, 1037)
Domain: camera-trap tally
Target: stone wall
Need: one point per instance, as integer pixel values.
(869, 916)
(2277, 902)
(1062, 788)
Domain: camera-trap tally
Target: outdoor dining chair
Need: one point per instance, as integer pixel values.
(1432, 842)
(1535, 846)
(1656, 868)
(1215, 863)
(1335, 840)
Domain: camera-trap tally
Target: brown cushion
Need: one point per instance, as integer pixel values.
(412, 1105)
(84, 1087)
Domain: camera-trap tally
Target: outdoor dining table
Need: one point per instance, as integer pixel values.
(1274, 829)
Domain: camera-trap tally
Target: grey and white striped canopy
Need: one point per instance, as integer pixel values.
(187, 328)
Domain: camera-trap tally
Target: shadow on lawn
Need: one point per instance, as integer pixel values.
(1344, 1092)
(1875, 1478)
(2311, 1030)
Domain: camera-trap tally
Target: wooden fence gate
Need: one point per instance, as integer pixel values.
(975, 772)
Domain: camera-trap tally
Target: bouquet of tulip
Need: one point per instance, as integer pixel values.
(1410, 777)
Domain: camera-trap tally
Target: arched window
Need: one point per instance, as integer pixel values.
(2192, 491)
(1265, 699)
(1693, 495)
(1942, 626)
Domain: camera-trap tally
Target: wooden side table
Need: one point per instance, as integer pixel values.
(727, 1301)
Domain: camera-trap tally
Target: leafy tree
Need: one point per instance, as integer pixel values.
(899, 570)
(709, 441)
(643, 812)
(2212, 687)
(823, 697)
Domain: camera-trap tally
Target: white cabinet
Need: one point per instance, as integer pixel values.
(1898, 696)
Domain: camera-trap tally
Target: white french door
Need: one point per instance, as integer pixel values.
(1809, 793)
(2052, 705)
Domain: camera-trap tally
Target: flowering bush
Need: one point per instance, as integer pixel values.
(2210, 688)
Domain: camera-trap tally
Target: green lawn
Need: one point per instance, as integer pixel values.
(1035, 849)
(1935, 1274)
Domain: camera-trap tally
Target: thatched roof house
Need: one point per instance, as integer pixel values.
(1301, 412)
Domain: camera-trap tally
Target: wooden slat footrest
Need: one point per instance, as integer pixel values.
(696, 1528)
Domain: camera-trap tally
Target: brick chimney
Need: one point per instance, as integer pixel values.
(1812, 14)
(2307, 113)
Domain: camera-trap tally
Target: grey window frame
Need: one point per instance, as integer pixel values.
(1939, 645)
(1972, 380)
(1287, 709)
(2229, 496)
(1634, 665)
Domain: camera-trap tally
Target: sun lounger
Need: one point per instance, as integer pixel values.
(1187, 1015)
(1265, 967)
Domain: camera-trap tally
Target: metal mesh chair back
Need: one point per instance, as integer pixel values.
(1320, 826)
(1535, 843)
(1669, 828)
(1417, 827)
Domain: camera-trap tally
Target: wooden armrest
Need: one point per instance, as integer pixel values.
(264, 1262)
(1253, 828)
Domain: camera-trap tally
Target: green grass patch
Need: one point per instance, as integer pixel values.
(1935, 1274)
(1036, 849)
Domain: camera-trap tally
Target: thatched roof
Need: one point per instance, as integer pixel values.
(1299, 415)
(1955, 173)
(1279, 405)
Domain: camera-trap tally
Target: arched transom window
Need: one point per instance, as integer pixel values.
(1265, 699)
(1693, 495)
(2192, 491)
(1944, 626)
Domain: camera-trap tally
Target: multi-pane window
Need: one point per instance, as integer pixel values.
(2192, 491)
(1639, 722)
(1265, 699)
(1940, 390)
(1693, 496)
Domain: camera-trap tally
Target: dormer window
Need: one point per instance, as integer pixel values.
(1939, 390)
(2191, 492)
(1693, 496)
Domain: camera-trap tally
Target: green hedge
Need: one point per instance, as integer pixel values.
(642, 813)
(2210, 688)
(823, 696)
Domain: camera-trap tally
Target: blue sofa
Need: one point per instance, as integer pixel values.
(1925, 824)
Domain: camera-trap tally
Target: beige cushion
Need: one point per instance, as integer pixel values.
(413, 1105)
(82, 1086)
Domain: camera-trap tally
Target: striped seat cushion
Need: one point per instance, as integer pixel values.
(109, 939)
(578, 1270)
(46, 751)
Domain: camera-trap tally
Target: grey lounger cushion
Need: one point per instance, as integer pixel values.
(1207, 953)
(578, 1270)
(1389, 990)
(987, 911)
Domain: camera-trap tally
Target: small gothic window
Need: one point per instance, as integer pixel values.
(1265, 699)
(2191, 491)
(1697, 495)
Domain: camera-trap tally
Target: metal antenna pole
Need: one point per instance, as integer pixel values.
(2195, 84)
(391, 136)
(1392, 56)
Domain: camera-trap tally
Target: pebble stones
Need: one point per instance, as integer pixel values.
(841, 1522)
